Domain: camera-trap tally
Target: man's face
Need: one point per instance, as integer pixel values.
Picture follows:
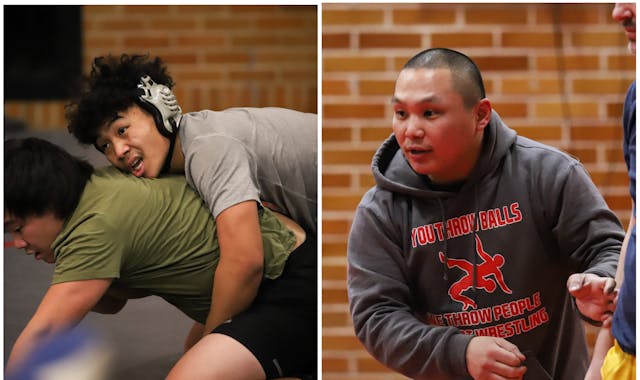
(133, 144)
(625, 15)
(34, 234)
(439, 137)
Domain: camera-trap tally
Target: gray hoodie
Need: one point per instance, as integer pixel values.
(429, 269)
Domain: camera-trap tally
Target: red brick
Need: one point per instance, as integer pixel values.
(453, 40)
(190, 10)
(608, 177)
(528, 40)
(145, 42)
(615, 109)
(146, 9)
(614, 155)
(259, 9)
(335, 40)
(334, 365)
(227, 24)
(369, 364)
(180, 58)
(560, 109)
(351, 17)
(596, 133)
(226, 57)
(340, 202)
(357, 64)
(539, 133)
(334, 272)
(376, 87)
(194, 75)
(585, 155)
(600, 86)
(252, 75)
(334, 249)
(621, 62)
(367, 181)
(375, 133)
(570, 62)
(172, 24)
(491, 14)
(423, 15)
(390, 40)
(336, 320)
(588, 39)
(562, 14)
(336, 134)
(276, 23)
(340, 343)
(201, 40)
(334, 296)
(618, 202)
(335, 226)
(353, 110)
(347, 157)
(100, 42)
(530, 86)
(511, 109)
(119, 25)
(336, 180)
(307, 58)
(335, 87)
(507, 63)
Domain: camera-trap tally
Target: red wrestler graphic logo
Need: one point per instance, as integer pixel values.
(489, 275)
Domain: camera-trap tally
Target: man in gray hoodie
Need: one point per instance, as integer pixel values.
(459, 256)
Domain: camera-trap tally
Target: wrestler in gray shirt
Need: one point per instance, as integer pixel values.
(264, 154)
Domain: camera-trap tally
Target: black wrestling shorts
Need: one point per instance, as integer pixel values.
(280, 326)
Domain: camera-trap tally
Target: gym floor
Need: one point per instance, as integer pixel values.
(145, 338)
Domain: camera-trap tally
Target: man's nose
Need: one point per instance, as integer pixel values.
(414, 128)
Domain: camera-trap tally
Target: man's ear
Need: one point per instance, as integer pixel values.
(483, 113)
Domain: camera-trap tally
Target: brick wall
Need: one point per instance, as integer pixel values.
(219, 56)
(556, 73)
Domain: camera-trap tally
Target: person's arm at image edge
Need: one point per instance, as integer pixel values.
(240, 268)
(64, 305)
(604, 340)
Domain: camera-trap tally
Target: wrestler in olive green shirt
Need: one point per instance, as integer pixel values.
(154, 235)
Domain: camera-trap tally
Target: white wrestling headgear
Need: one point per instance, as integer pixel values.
(160, 101)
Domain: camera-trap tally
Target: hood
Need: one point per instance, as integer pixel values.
(392, 171)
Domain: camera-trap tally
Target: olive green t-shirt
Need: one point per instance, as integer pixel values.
(154, 235)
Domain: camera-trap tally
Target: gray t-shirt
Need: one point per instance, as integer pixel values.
(264, 154)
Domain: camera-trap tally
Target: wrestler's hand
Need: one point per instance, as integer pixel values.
(494, 358)
(595, 296)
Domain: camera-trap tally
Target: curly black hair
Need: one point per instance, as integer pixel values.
(111, 87)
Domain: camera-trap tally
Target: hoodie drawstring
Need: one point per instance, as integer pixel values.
(446, 237)
(473, 241)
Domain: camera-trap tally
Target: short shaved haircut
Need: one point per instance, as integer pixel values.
(466, 77)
